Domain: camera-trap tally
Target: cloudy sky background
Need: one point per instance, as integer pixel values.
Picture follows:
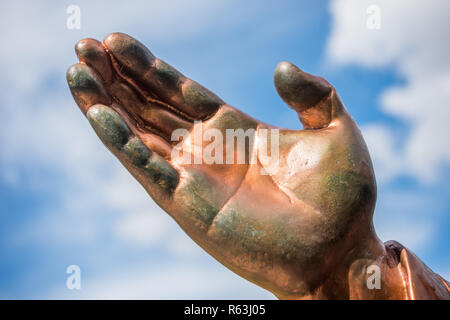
(64, 199)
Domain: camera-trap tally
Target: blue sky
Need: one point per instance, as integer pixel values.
(65, 200)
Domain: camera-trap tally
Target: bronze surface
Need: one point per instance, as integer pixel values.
(304, 231)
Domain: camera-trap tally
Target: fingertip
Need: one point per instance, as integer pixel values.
(199, 101)
(91, 52)
(114, 36)
(86, 86)
(283, 67)
(305, 93)
(299, 89)
(284, 80)
(128, 51)
(84, 45)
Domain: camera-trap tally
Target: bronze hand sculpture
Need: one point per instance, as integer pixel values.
(303, 231)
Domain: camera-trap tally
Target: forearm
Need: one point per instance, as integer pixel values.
(393, 273)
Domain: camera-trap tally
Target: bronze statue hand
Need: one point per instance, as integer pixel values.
(297, 230)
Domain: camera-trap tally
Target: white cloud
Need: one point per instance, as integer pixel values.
(425, 104)
(144, 228)
(409, 217)
(159, 281)
(44, 128)
(412, 41)
(39, 43)
(45, 132)
(385, 156)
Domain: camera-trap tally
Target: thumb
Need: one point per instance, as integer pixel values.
(309, 95)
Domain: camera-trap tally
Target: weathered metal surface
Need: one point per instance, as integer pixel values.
(303, 231)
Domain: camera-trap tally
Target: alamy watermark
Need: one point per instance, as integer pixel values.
(73, 21)
(210, 146)
(373, 21)
(73, 282)
(374, 278)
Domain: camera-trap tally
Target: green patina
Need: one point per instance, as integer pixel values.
(162, 173)
(110, 128)
(166, 76)
(84, 85)
(137, 152)
(252, 235)
(201, 99)
(201, 198)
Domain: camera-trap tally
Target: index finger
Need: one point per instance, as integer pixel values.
(133, 61)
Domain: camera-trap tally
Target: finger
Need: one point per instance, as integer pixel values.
(309, 95)
(160, 119)
(164, 121)
(91, 52)
(157, 144)
(153, 115)
(86, 87)
(144, 164)
(133, 60)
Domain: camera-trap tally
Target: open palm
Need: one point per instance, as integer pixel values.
(280, 227)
